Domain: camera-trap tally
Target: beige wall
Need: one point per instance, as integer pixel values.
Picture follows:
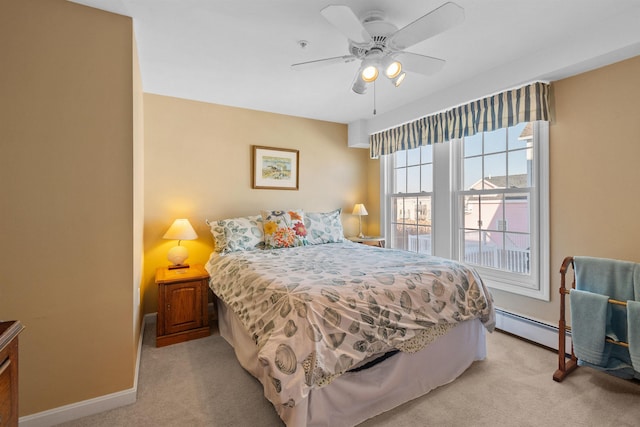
(594, 175)
(66, 169)
(198, 166)
(138, 197)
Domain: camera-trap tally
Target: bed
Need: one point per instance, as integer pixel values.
(338, 332)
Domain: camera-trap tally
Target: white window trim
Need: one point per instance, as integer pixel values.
(446, 245)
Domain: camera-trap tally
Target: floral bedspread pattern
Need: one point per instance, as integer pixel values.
(315, 311)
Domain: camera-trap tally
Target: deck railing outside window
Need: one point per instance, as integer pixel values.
(513, 259)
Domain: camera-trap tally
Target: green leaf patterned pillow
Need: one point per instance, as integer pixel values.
(324, 227)
(238, 234)
(284, 229)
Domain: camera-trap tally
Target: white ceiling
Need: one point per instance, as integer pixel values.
(239, 52)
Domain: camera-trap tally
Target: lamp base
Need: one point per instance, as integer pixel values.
(177, 256)
(176, 266)
(360, 234)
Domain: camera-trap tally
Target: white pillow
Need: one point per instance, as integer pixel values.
(324, 227)
(237, 234)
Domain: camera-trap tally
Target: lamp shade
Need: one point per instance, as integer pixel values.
(359, 209)
(181, 229)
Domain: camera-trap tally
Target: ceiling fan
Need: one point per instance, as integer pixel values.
(380, 45)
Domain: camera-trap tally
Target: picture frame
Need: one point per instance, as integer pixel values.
(274, 168)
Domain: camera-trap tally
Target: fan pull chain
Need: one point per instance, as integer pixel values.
(374, 97)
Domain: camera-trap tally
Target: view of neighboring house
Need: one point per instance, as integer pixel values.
(497, 225)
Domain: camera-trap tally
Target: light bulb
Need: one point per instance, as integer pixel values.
(393, 69)
(369, 73)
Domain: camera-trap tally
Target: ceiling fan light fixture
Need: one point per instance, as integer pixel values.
(392, 69)
(377, 43)
(369, 73)
(397, 80)
(359, 86)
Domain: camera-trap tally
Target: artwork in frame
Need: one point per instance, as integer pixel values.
(274, 168)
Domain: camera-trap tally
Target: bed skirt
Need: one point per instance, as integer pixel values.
(355, 397)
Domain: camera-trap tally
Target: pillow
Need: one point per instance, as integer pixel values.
(284, 229)
(237, 234)
(324, 227)
(217, 231)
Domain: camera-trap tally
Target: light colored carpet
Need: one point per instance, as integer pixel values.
(200, 383)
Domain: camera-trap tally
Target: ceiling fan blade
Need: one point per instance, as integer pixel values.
(318, 63)
(438, 20)
(343, 18)
(420, 63)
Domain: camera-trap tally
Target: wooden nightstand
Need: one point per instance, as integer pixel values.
(9, 372)
(182, 304)
(368, 240)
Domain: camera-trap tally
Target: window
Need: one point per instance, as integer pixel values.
(411, 220)
(484, 197)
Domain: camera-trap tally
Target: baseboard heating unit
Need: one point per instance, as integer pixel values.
(530, 329)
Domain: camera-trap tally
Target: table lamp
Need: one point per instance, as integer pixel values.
(181, 229)
(360, 210)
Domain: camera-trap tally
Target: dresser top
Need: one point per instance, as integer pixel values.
(8, 331)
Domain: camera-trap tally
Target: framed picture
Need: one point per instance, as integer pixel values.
(274, 168)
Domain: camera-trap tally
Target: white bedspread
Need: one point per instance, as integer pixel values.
(315, 311)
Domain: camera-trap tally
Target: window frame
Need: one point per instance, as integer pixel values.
(448, 213)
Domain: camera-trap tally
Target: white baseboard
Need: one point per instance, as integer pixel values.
(93, 406)
(530, 329)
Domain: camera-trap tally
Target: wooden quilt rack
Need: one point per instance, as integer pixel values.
(565, 367)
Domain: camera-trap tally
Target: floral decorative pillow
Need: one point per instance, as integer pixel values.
(324, 227)
(284, 229)
(237, 234)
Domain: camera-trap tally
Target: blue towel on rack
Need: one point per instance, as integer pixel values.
(618, 279)
(590, 316)
(633, 326)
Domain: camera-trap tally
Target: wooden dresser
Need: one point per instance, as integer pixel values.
(9, 372)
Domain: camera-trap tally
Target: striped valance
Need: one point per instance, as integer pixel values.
(526, 104)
